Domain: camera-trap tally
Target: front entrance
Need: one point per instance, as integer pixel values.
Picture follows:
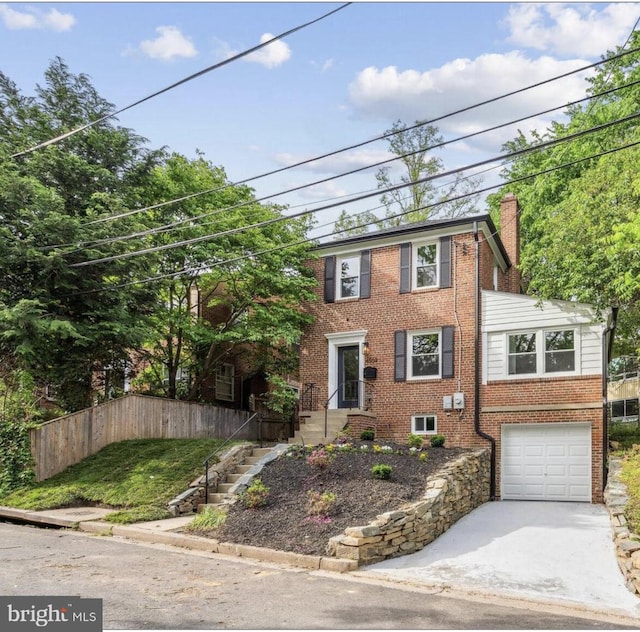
(348, 376)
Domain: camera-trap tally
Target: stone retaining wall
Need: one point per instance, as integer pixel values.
(627, 543)
(459, 487)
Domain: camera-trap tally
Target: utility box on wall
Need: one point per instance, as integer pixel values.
(458, 401)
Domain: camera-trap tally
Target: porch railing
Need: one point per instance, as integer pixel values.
(309, 397)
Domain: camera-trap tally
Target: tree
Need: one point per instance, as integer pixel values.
(415, 201)
(62, 323)
(241, 293)
(579, 223)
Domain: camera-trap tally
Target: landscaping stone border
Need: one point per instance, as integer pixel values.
(456, 489)
(627, 543)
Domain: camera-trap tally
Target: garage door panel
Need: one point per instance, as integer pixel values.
(546, 462)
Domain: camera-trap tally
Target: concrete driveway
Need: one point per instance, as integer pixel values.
(537, 551)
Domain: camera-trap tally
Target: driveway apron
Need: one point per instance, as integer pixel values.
(543, 551)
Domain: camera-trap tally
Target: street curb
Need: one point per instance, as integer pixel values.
(210, 545)
(36, 517)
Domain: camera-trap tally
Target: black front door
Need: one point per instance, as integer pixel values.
(348, 376)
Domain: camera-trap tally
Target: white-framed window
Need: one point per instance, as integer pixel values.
(224, 382)
(424, 424)
(425, 265)
(541, 352)
(423, 350)
(349, 277)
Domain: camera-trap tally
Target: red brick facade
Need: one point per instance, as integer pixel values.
(387, 310)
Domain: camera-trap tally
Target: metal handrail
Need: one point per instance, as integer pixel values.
(326, 404)
(222, 445)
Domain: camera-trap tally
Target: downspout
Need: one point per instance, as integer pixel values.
(476, 398)
(606, 355)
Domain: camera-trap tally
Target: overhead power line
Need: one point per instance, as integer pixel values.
(203, 268)
(166, 227)
(204, 71)
(264, 223)
(362, 143)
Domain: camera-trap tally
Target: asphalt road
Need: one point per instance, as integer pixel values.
(154, 587)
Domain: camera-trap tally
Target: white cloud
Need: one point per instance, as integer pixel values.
(169, 44)
(272, 55)
(390, 94)
(32, 18)
(575, 29)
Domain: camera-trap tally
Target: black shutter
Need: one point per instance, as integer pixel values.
(400, 356)
(445, 261)
(365, 274)
(405, 268)
(447, 341)
(329, 279)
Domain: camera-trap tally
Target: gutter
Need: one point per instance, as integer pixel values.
(607, 346)
(476, 398)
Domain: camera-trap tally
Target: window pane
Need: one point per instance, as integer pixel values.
(349, 277)
(522, 364)
(418, 424)
(425, 365)
(430, 424)
(426, 266)
(522, 343)
(425, 343)
(559, 351)
(617, 408)
(559, 340)
(632, 408)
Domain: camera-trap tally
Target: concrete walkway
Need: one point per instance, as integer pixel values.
(539, 551)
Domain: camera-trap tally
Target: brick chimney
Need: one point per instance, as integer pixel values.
(510, 236)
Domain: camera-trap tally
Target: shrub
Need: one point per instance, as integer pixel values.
(437, 441)
(256, 495)
(367, 435)
(209, 519)
(320, 504)
(423, 457)
(415, 441)
(320, 458)
(381, 471)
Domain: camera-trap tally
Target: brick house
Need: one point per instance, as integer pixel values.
(423, 329)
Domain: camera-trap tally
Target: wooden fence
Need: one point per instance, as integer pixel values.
(61, 442)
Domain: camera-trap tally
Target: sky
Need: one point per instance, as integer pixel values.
(338, 82)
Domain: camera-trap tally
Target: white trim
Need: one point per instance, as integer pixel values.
(541, 354)
(409, 370)
(424, 432)
(414, 264)
(335, 341)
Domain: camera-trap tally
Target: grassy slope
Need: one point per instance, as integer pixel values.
(138, 476)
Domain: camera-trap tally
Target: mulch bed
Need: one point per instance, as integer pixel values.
(284, 522)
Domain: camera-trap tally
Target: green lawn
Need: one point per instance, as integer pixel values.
(139, 477)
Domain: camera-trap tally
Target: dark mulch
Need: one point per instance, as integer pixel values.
(284, 522)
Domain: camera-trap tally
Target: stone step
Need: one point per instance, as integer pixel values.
(252, 460)
(242, 469)
(260, 452)
(224, 487)
(216, 498)
(233, 478)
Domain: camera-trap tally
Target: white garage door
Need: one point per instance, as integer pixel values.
(546, 462)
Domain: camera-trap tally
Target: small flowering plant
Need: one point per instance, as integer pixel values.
(320, 458)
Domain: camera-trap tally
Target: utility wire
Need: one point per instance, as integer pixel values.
(232, 231)
(166, 227)
(205, 267)
(244, 53)
(362, 143)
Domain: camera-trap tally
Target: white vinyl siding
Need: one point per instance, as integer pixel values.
(504, 314)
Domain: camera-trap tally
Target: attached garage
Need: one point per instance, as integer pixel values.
(546, 462)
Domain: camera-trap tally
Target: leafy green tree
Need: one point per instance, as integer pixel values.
(579, 223)
(62, 323)
(237, 295)
(414, 149)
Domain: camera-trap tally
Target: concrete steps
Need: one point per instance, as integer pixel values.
(223, 492)
(312, 427)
